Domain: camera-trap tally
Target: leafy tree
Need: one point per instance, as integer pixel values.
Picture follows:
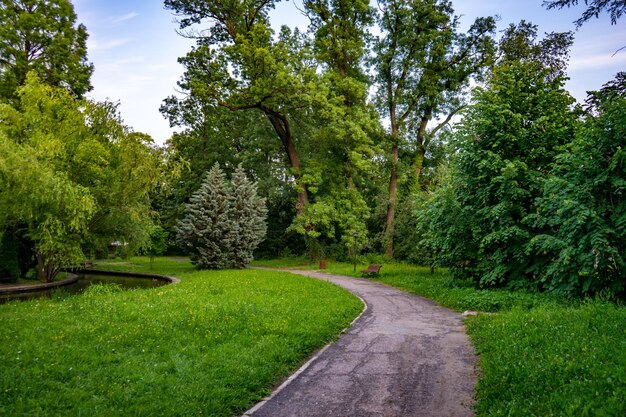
(223, 224)
(42, 36)
(71, 175)
(344, 145)
(215, 134)
(506, 145)
(616, 8)
(320, 116)
(238, 64)
(157, 244)
(583, 207)
(422, 66)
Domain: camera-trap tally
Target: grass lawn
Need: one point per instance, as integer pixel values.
(212, 345)
(540, 354)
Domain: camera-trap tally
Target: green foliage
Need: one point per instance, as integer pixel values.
(221, 339)
(158, 241)
(42, 36)
(423, 66)
(480, 224)
(275, 89)
(72, 176)
(249, 212)
(584, 207)
(338, 217)
(223, 224)
(9, 269)
(407, 234)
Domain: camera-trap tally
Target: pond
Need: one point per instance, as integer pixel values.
(84, 281)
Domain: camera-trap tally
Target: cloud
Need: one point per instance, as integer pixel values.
(120, 19)
(597, 61)
(120, 67)
(94, 45)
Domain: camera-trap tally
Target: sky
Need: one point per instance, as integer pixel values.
(134, 46)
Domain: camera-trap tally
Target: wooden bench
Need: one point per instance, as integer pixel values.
(372, 270)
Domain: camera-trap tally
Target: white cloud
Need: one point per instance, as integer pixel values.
(95, 45)
(120, 19)
(125, 64)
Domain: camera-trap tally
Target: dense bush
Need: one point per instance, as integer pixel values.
(507, 143)
(584, 207)
(536, 195)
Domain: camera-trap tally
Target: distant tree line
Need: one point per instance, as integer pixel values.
(350, 139)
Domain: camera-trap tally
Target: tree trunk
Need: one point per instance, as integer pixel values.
(45, 269)
(282, 128)
(393, 202)
(419, 163)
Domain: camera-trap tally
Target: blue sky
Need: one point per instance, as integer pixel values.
(134, 47)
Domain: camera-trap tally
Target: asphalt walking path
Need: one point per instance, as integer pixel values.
(405, 356)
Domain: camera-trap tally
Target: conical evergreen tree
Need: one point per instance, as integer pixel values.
(206, 228)
(223, 224)
(248, 213)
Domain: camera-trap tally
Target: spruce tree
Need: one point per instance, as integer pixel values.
(248, 214)
(206, 227)
(223, 224)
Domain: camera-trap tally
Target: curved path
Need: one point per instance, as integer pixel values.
(405, 356)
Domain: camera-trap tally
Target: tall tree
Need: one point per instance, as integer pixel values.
(422, 66)
(616, 8)
(42, 36)
(508, 140)
(344, 145)
(240, 65)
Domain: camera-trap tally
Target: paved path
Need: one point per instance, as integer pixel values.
(405, 356)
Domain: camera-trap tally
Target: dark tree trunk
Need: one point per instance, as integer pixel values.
(393, 202)
(46, 270)
(282, 128)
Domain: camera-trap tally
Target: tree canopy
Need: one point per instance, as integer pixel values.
(72, 177)
(42, 36)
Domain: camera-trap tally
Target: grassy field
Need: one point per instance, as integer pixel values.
(212, 345)
(540, 354)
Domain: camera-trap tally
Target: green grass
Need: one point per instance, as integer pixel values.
(552, 361)
(212, 345)
(540, 354)
(439, 286)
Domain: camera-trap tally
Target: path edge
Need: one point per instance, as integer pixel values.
(308, 363)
